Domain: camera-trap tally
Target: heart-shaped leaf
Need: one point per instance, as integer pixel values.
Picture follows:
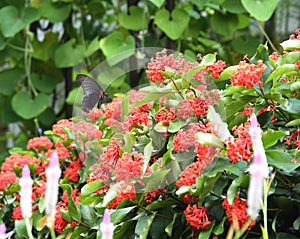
(28, 108)
(55, 12)
(224, 24)
(11, 23)
(8, 80)
(175, 26)
(44, 50)
(136, 20)
(261, 10)
(117, 46)
(69, 54)
(158, 3)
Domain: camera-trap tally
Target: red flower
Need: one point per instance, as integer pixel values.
(95, 114)
(298, 64)
(248, 74)
(114, 109)
(60, 223)
(155, 194)
(124, 192)
(297, 36)
(237, 211)
(40, 189)
(7, 178)
(39, 143)
(293, 139)
(189, 175)
(17, 160)
(165, 116)
(112, 152)
(72, 171)
(216, 68)
(17, 213)
(239, 148)
(88, 129)
(197, 217)
(137, 118)
(58, 127)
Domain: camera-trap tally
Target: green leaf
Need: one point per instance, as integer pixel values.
(117, 46)
(209, 139)
(227, 73)
(55, 12)
(295, 86)
(293, 106)
(295, 122)
(289, 45)
(261, 10)
(11, 22)
(204, 184)
(21, 228)
(207, 232)
(91, 187)
(89, 216)
(281, 160)
(175, 27)
(92, 47)
(44, 50)
(289, 58)
(44, 83)
(176, 125)
(224, 24)
(118, 215)
(158, 3)
(28, 108)
(155, 180)
(109, 196)
(271, 137)
(69, 54)
(136, 20)
(296, 224)
(235, 186)
(143, 226)
(234, 6)
(8, 80)
(287, 69)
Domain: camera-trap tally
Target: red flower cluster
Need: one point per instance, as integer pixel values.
(190, 174)
(39, 143)
(165, 116)
(58, 127)
(124, 192)
(239, 148)
(216, 68)
(293, 139)
(72, 171)
(155, 194)
(114, 109)
(185, 138)
(197, 217)
(137, 118)
(248, 74)
(237, 211)
(297, 36)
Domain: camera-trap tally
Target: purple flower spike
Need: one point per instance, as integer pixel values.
(26, 192)
(54, 160)
(2, 229)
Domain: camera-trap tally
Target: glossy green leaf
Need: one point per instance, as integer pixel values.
(289, 45)
(271, 137)
(236, 184)
(281, 160)
(295, 122)
(209, 139)
(207, 232)
(45, 50)
(174, 27)
(155, 180)
(28, 107)
(261, 10)
(227, 73)
(69, 54)
(44, 83)
(91, 187)
(288, 58)
(176, 125)
(234, 6)
(136, 20)
(292, 106)
(89, 216)
(118, 215)
(282, 71)
(143, 226)
(92, 47)
(20, 228)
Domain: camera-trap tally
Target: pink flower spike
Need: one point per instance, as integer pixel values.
(2, 231)
(106, 227)
(54, 159)
(26, 192)
(258, 170)
(53, 173)
(26, 172)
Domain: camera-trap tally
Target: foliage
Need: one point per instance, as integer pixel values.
(43, 44)
(171, 160)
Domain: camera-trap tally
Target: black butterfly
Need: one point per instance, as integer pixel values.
(93, 93)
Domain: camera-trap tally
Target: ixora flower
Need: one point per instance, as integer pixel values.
(53, 173)
(26, 192)
(258, 170)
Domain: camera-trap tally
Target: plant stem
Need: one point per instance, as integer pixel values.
(177, 89)
(28, 228)
(266, 36)
(52, 232)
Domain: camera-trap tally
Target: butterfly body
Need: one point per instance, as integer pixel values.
(94, 94)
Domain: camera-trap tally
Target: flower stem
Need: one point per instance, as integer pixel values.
(28, 228)
(52, 232)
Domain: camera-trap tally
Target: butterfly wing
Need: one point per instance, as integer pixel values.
(89, 102)
(89, 85)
